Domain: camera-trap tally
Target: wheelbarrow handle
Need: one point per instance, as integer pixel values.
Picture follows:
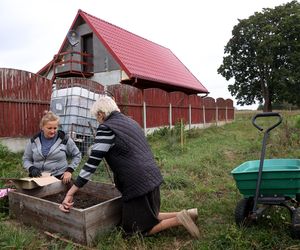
(266, 114)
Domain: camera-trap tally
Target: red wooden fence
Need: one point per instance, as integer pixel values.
(156, 108)
(24, 96)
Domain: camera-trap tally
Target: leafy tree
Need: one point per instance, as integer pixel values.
(263, 57)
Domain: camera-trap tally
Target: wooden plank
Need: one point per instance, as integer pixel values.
(46, 215)
(81, 225)
(102, 217)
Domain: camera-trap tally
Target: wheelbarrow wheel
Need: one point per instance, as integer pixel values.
(242, 212)
(295, 227)
(298, 197)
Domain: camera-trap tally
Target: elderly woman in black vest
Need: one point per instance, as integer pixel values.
(121, 141)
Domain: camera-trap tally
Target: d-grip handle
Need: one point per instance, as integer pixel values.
(266, 114)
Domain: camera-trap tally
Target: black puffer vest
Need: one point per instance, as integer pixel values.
(131, 159)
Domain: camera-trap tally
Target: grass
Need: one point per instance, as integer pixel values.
(196, 174)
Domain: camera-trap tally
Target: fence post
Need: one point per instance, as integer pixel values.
(203, 112)
(190, 116)
(226, 115)
(144, 117)
(181, 133)
(217, 114)
(170, 115)
(233, 113)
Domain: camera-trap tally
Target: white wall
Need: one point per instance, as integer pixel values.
(15, 145)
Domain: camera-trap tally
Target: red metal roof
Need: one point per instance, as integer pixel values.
(141, 58)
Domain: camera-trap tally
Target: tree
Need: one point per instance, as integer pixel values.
(263, 57)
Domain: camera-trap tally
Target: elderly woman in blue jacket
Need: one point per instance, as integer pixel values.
(49, 150)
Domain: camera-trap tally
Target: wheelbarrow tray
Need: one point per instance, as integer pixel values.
(280, 177)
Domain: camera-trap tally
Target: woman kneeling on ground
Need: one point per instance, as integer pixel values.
(121, 141)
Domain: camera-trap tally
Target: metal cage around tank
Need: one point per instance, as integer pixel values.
(72, 99)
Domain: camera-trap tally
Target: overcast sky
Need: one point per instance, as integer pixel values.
(196, 31)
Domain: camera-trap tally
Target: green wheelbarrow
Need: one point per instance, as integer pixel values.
(268, 182)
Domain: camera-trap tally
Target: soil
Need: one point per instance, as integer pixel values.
(81, 200)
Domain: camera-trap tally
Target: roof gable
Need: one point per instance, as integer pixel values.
(141, 58)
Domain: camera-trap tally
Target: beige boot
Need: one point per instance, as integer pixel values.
(193, 213)
(185, 220)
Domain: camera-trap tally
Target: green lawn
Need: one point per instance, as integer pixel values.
(196, 174)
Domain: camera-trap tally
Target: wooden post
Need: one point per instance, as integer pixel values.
(181, 133)
(170, 115)
(144, 114)
(233, 110)
(144, 117)
(226, 115)
(217, 114)
(204, 119)
(190, 116)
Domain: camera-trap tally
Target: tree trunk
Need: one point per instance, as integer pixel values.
(267, 98)
(268, 105)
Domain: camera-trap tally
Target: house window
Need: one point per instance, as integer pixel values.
(87, 49)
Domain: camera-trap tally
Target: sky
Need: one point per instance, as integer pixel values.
(196, 31)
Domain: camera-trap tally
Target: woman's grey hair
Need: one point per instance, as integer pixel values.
(104, 104)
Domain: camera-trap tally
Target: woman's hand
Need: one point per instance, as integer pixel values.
(34, 172)
(66, 177)
(67, 204)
